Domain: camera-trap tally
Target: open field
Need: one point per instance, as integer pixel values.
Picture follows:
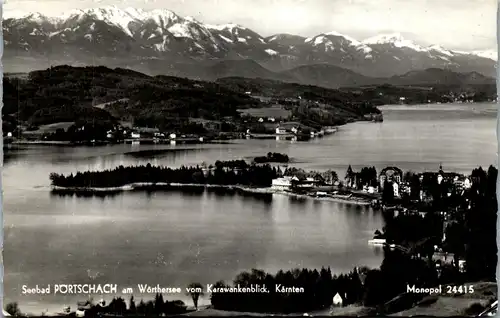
(50, 128)
(103, 105)
(276, 112)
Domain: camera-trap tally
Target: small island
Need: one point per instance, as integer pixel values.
(229, 176)
(272, 157)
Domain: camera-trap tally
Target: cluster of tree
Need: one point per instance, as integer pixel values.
(420, 233)
(319, 288)
(172, 124)
(272, 157)
(231, 164)
(222, 174)
(366, 176)
(470, 230)
(367, 287)
(118, 307)
(13, 309)
(480, 223)
(317, 118)
(398, 270)
(84, 131)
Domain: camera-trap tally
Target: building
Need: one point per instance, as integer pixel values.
(351, 178)
(280, 130)
(391, 174)
(337, 300)
(467, 183)
(395, 187)
(370, 189)
(304, 183)
(282, 184)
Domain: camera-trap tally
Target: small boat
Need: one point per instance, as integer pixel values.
(377, 241)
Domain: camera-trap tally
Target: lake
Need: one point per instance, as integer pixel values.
(173, 239)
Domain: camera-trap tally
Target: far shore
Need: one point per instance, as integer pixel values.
(159, 185)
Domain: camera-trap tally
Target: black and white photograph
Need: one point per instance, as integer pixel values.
(249, 158)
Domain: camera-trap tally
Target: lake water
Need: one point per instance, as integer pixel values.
(173, 239)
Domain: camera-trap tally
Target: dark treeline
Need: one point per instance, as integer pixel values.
(368, 287)
(319, 289)
(479, 223)
(119, 307)
(366, 176)
(83, 131)
(224, 173)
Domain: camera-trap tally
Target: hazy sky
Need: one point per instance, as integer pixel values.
(455, 24)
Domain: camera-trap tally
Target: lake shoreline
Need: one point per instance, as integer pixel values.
(138, 186)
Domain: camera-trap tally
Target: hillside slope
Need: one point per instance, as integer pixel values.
(66, 94)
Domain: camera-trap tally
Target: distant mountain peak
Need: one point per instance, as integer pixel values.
(352, 40)
(36, 17)
(112, 31)
(441, 50)
(384, 38)
(395, 39)
(489, 54)
(109, 14)
(283, 36)
(329, 40)
(228, 26)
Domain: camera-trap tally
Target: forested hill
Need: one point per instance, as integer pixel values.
(65, 94)
(100, 94)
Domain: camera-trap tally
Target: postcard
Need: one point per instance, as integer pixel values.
(249, 158)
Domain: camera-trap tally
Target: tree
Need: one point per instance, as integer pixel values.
(13, 309)
(195, 291)
(117, 306)
(159, 304)
(415, 187)
(388, 193)
(131, 307)
(408, 176)
(141, 308)
(330, 176)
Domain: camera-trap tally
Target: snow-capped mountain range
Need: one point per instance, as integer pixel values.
(131, 35)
